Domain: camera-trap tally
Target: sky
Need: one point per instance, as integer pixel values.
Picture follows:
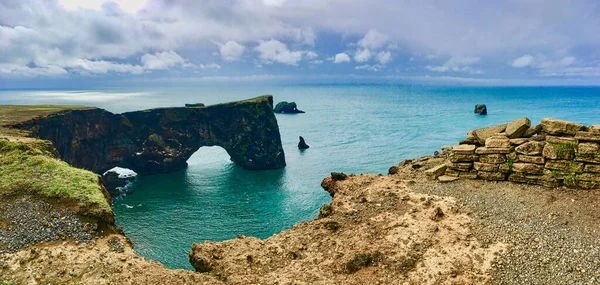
(512, 42)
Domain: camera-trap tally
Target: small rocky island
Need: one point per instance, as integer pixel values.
(481, 109)
(287, 108)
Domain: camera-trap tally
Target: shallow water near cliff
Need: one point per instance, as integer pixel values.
(350, 128)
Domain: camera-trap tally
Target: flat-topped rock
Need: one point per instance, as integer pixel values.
(436, 171)
(531, 148)
(488, 150)
(484, 133)
(516, 128)
(446, 178)
(497, 142)
(560, 127)
(592, 136)
(464, 149)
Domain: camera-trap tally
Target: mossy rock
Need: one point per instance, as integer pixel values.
(287, 108)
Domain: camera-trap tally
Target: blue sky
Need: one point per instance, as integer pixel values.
(65, 42)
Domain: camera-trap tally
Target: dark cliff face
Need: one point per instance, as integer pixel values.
(162, 140)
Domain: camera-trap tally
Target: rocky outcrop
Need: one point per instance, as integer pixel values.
(287, 108)
(118, 181)
(481, 109)
(562, 153)
(302, 144)
(162, 140)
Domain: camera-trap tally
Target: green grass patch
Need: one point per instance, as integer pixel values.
(34, 168)
(562, 149)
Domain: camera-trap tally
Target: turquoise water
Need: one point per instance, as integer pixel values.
(350, 128)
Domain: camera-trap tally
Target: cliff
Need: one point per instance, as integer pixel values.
(162, 140)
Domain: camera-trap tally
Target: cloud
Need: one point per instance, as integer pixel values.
(161, 60)
(373, 40)
(209, 66)
(375, 67)
(275, 51)
(311, 55)
(523, 61)
(341, 57)
(383, 57)
(362, 55)
(231, 51)
(457, 64)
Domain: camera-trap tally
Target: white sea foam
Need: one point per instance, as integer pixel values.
(123, 172)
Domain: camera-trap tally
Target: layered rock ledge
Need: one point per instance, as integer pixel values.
(162, 140)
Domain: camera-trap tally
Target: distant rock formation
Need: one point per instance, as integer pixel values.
(302, 144)
(194, 105)
(162, 140)
(287, 108)
(481, 109)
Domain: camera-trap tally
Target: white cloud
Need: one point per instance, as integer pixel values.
(311, 55)
(362, 55)
(231, 51)
(523, 61)
(373, 40)
(375, 67)
(161, 60)
(457, 64)
(275, 51)
(209, 66)
(383, 57)
(341, 57)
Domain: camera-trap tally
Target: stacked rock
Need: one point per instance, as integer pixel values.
(552, 154)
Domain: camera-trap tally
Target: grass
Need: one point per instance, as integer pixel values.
(34, 168)
(12, 114)
(562, 149)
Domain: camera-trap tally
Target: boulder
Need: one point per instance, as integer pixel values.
(560, 127)
(483, 134)
(463, 149)
(516, 128)
(531, 148)
(302, 144)
(488, 167)
(481, 109)
(287, 108)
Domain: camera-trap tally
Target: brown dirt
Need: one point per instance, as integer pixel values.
(376, 216)
(106, 260)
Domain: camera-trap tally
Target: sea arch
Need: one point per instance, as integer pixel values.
(162, 140)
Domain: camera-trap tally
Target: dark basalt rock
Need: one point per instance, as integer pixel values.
(302, 144)
(480, 109)
(287, 108)
(194, 105)
(162, 140)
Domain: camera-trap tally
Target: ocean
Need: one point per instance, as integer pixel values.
(350, 128)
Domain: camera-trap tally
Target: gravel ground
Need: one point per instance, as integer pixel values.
(553, 234)
(27, 221)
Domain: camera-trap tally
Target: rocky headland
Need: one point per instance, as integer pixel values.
(57, 226)
(162, 140)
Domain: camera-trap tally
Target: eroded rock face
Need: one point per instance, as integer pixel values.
(162, 140)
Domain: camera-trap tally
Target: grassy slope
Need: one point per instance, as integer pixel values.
(11, 114)
(34, 168)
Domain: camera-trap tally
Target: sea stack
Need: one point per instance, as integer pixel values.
(480, 109)
(302, 144)
(284, 107)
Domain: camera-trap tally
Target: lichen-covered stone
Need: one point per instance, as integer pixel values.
(468, 175)
(531, 159)
(531, 148)
(484, 133)
(516, 128)
(518, 141)
(497, 142)
(493, 158)
(527, 168)
(564, 165)
(162, 140)
(561, 140)
(491, 176)
(588, 148)
(488, 167)
(592, 168)
(460, 166)
(593, 136)
(488, 150)
(560, 127)
(586, 176)
(457, 157)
